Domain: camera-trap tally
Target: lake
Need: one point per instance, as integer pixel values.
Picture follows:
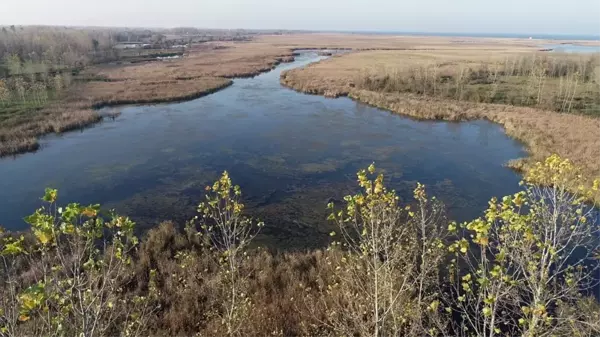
(289, 152)
(572, 48)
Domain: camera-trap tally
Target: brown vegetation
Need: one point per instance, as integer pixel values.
(207, 60)
(395, 42)
(562, 83)
(19, 133)
(138, 92)
(544, 132)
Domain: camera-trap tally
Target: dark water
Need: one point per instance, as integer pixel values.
(290, 153)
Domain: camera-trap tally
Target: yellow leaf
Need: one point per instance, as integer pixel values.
(89, 212)
(43, 237)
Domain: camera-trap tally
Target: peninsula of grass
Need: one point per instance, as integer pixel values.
(136, 92)
(560, 116)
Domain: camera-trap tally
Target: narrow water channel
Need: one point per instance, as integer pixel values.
(289, 152)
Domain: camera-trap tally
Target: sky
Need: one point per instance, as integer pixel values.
(569, 17)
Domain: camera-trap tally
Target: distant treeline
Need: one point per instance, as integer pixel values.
(40, 49)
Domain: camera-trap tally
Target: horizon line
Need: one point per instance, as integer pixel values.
(347, 31)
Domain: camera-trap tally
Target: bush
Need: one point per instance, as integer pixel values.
(72, 274)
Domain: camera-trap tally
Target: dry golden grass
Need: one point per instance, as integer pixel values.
(544, 132)
(374, 41)
(205, 69)
(212, 60)
(339, 73)
(137, 92)
(16, 144)
(20, 134)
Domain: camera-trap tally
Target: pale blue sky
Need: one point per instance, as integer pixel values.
(472, 16)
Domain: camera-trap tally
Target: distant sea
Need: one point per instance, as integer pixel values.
(496, 35)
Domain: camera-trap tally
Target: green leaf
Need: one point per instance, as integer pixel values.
(50, 195)
(13, 248)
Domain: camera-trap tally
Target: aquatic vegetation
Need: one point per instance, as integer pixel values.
(329, 165)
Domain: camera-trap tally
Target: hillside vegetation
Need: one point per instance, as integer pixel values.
(528, 267)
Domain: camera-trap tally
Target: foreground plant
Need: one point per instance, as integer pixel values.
(527, 268)
(386, 264)
(228, 233)
(532, 259)
(72, 275)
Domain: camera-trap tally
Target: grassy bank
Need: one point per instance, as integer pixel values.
(563, 83)
(206, 60)
(20, 133)
(136, 92)
(544, 132)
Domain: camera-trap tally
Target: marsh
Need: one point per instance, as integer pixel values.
(291, 153)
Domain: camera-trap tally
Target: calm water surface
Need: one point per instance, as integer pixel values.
(572, 48)
(290, 153)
